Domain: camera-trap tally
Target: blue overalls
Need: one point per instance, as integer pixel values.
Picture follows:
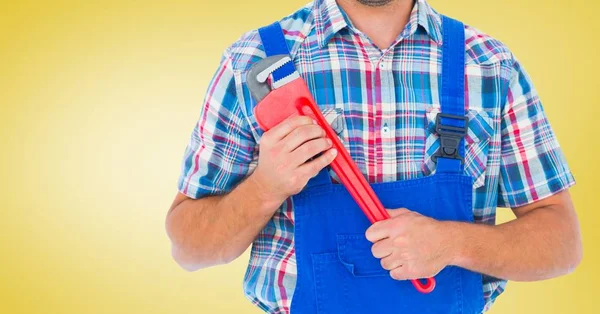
(336, 271)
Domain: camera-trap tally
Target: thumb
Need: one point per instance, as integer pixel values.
(397, 212)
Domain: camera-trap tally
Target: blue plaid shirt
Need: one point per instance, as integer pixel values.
(387, 100)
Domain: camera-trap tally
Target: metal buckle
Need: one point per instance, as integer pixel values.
(450, 137)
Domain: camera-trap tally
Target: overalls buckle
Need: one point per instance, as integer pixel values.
(450, 136)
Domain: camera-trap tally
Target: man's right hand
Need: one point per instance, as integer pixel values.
(215, 230)
(284, 150)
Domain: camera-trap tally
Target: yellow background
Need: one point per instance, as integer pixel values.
(98, 99)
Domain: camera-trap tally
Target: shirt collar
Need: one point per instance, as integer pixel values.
(330, 19)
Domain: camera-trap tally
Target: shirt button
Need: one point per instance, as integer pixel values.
(385, 129)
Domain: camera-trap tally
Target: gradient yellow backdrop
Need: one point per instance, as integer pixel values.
(98, 99)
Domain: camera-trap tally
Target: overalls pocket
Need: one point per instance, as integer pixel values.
(354, 252)
(477, 140)
(351, 280)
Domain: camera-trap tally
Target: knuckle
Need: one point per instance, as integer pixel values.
(301, 153)
(287, 128)
(308, 147)
(287, 146)
(299, 120)
(297, 132)
(309, 134)
(398, 241)
(292, 120)
(326, 159)
(323, 143)
(318, 145)
(317, 131)
(403, 255)
(412, 273)
(399, 229)
(310, 131)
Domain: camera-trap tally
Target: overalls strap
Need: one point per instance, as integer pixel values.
(452, 97)
(274, 43)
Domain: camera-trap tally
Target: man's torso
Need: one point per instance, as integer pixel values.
(387, 101)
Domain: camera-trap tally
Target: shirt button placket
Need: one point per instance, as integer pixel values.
(386, 88)
(387, 112)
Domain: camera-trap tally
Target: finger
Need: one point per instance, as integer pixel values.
(400, 273)
(311, 168)
(301, 135)
(382, 248)
(378, 231)
(309, 150)
(288, 125)
(391, 262)
(398, 212)
(408, 271)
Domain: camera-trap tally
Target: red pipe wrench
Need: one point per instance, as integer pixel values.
(289, 96)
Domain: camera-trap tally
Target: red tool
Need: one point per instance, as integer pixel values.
(290, 96)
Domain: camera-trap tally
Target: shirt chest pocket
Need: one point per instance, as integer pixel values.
(477, 144)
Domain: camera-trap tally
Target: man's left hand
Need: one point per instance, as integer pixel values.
(411, 245)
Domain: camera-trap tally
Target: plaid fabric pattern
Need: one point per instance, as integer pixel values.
(388, 100)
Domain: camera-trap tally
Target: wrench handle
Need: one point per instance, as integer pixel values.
(354, 181)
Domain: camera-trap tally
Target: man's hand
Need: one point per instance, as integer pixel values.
(283, 169)
(216, 229)
(543, 242)
(410, 245)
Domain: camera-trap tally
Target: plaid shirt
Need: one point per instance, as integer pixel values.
(388, 100)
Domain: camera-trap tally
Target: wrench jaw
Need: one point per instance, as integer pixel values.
(257, 78)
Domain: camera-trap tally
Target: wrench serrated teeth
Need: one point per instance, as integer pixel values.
(285, 80)
(259, 74)
(264, 75)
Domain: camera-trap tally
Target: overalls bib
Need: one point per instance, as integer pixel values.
(336, 271)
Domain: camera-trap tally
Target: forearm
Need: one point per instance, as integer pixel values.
(541, 244)
(217, 229)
